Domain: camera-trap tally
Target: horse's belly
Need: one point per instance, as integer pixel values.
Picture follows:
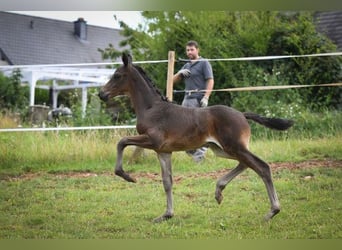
(183, 144)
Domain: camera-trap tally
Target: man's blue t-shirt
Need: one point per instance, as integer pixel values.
(201, 71)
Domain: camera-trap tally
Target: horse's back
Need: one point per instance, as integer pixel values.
(227, 114)
(223, 108)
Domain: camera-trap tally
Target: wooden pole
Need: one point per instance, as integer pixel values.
(170, 72)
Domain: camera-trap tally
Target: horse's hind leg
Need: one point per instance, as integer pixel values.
(166, 168)
(264, 171)
(137, 153)
(224, 180)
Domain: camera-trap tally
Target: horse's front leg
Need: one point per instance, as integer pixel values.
(166, 168)
(139, 140)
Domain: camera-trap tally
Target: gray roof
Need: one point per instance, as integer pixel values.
(34, 40)
(330, 24)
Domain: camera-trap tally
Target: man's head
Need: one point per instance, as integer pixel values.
(192, 50)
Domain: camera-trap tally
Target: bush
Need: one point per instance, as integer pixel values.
(224, 34)
(307, 124)
(12, 95)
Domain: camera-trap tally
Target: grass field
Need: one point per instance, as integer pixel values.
(60, 185)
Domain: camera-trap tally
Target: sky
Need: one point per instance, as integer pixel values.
(98, 18)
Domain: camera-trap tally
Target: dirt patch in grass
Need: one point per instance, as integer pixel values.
(177, 178)
(307, 164)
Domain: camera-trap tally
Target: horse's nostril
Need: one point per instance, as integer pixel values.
(102, 96)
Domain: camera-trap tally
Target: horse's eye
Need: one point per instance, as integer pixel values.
(116, 76)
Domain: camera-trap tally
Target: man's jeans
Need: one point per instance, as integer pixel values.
(197, 154)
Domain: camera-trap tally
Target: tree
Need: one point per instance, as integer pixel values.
(224, 34)
(297, 35)
(12, 95)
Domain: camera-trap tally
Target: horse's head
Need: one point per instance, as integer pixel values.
(118, 83)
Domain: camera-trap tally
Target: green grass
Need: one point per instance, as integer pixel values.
(100, 207)
(296, 150)
(43, 195)
(95, 151)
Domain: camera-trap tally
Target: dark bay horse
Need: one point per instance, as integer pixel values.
(166, 127)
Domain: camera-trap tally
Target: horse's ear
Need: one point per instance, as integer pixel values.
(130, 59)
(126, 59)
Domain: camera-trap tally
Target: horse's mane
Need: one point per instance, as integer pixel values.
(150, 83)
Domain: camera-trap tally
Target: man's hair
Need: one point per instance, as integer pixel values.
(192, 43)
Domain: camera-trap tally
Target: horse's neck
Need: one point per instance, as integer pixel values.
(142, 96)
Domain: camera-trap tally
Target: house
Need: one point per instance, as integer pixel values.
(330, 24)
(28, 40)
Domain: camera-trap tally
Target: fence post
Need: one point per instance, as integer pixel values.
(170, 71)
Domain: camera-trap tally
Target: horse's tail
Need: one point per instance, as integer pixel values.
(273, 123)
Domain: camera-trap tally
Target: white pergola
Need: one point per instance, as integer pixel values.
(82, 78)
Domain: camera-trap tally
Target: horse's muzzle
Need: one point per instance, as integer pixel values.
(103, 96)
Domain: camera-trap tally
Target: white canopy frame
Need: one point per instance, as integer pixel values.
(82, 78)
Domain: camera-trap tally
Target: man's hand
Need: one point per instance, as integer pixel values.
(204, 102)
(184, 72)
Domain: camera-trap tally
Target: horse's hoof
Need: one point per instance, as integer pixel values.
(162, 218)
(218, 198)
(125, 176)
(130, 179)
(271, 214)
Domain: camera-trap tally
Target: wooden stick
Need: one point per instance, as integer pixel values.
(170, 72)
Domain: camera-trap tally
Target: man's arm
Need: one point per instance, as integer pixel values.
(177, 77)
(210, 86)
(180, 74)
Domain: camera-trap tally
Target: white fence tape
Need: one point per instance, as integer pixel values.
(256, 58)
(256, 88)
(176, 91)
(65, 128)
(75, 64)
(165, 61)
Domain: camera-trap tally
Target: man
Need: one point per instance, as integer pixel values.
(199, 83)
